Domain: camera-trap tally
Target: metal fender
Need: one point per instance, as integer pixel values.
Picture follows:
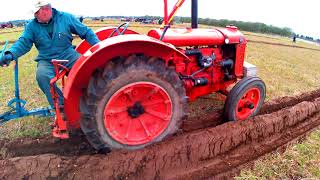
(97, 57)
(102, 33)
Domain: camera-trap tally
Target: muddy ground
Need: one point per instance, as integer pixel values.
(205, 148)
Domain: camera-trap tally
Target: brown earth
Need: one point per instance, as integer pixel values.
(204, 149)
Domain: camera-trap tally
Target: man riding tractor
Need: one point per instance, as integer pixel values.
(51, 32)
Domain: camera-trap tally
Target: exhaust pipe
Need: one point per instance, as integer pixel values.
(194, 14)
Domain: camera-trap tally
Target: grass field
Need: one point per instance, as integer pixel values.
(285, 70)
(299, 161)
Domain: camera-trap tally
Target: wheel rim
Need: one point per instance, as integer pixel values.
(138, 113)
(248, 103)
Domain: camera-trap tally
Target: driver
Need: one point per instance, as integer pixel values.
(51, 33)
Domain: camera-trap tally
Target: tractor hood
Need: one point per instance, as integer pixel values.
(200, 37)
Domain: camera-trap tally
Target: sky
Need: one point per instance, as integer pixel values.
(301, 16)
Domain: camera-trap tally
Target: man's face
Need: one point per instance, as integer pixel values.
(44, 14)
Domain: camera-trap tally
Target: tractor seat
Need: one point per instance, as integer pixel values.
(189, 37)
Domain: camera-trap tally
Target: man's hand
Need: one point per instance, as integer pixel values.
(5, 59)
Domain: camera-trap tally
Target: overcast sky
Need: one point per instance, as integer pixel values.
(302, 16)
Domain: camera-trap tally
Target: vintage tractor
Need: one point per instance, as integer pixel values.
(131, 90)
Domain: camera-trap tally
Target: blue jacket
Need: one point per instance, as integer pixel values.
(57, 47)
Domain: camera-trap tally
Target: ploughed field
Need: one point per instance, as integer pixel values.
(204, 148)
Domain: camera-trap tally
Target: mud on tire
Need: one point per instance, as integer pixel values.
(110, 117)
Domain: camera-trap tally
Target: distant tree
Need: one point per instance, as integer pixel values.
(246, 26)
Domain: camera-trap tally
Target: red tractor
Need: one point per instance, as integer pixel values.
(131, 90)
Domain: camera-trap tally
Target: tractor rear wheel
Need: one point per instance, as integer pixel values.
(132, 103)
(245, 99)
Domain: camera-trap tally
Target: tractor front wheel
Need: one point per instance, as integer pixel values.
(245, 99)
(133, 103)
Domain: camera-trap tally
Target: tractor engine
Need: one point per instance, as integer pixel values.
(215, 57)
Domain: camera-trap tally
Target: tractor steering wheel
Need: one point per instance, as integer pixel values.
(126, 24)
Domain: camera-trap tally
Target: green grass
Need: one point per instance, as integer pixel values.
(298, 161)
(285, 70)
(10, 36)
(28, 127)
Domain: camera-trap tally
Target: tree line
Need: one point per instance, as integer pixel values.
(244, 26)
